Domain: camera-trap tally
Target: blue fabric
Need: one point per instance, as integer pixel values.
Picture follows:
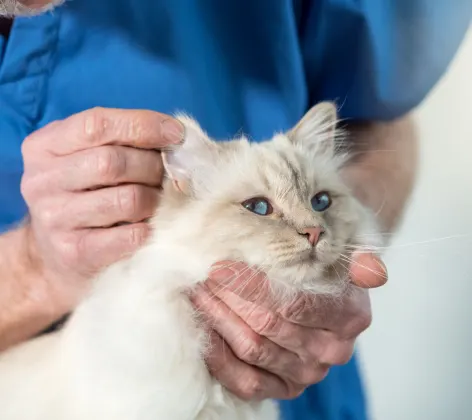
(254, 66)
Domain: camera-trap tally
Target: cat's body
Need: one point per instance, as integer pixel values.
(134, 349)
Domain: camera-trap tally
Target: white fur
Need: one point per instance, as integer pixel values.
(134, 349)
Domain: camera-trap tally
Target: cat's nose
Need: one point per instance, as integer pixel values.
(313, 234)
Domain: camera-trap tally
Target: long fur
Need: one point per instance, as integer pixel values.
(134, 348)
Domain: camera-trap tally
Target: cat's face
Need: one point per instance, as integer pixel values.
(279, 205)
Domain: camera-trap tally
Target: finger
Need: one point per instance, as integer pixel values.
(368, 271)
(245, 343)
(107, 166)
(243, 380)
(100, 126)
(105, 207)
(315, 346)
(102, 247)
(230, 279)
(262, 321)
(238, 285)
(249, 283)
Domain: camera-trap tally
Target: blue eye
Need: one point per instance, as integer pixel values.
(321, 201)
(258, 205)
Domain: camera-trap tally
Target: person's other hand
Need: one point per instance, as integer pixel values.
(90, 182)
(261, 349)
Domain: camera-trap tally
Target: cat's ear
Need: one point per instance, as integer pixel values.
(316, 131)
(188, 162)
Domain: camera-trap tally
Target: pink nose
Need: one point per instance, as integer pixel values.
(313, 234)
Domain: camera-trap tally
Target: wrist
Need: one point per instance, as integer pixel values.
(27, 306)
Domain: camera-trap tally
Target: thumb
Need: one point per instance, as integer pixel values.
(368, 271)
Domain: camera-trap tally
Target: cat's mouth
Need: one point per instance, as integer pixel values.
(305, 258)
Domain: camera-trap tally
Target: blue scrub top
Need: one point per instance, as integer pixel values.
(236, 65)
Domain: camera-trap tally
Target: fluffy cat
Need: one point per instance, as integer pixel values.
(134, 349)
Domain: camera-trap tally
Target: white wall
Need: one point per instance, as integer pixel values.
(417, 356)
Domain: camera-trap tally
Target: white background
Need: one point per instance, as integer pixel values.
(417, 356)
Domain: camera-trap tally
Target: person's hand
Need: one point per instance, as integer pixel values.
(261, 349)
(90, 182)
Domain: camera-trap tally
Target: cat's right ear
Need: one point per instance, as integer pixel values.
(188, 164)
(316, 131)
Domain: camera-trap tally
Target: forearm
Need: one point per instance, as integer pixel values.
(383, 168)
(25, 306)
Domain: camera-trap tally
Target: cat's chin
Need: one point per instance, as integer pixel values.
(309, 276)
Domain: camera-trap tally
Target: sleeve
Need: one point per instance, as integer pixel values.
(378, 59)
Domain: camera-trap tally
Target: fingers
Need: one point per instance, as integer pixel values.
(368, 271)
(231, 279)
(268, 334)
(305, 309)
(107, 166)
(248, 283)
(100, 208)
(102, 247)
(246, 344)
(316, 347)
(242, 379)
(105, 126)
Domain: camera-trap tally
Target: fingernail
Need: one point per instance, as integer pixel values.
(173, 131)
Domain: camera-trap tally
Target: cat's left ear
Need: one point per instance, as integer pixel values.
(316, 131)
(188, 165)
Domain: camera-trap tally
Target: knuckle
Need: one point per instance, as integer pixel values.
(48, 215)
(358, 324)
(94, 124)
(343, 354)
(339, 353)
(138, 235)
(253, 350)
(343, 357)
(28, 187)
(297, 310)
(68, 248)
(110, 163)
(365, 320)
(294, 391)
(314, 375)
(34, 142)
(270, 324)
(26, 146)
(128, 199)
(251, 386)
(311, 375)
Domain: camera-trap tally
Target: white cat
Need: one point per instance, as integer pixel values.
(134, 349)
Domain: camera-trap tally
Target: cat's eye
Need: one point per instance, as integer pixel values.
(321, 201)
(258, 205)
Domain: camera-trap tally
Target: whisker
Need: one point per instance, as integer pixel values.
(351, 261)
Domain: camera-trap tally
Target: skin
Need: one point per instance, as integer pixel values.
(76, 198)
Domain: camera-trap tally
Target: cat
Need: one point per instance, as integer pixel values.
(134, 348)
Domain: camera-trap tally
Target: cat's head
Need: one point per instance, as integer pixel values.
(280, 205)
